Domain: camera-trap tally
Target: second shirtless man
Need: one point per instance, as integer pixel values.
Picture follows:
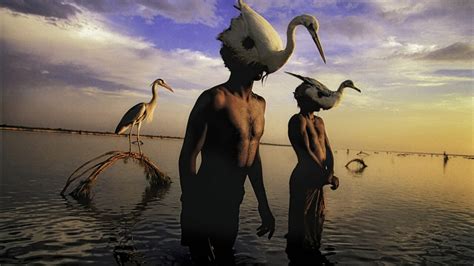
(225, 126)
(315, 169)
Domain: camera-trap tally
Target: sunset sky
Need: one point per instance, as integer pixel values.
(81, 64)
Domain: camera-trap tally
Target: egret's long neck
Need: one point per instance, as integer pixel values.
(285, 54)
(155, 95)
(290, 37)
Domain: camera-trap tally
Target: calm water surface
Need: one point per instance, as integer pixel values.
(401, 209)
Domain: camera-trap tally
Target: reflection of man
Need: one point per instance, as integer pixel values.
(225, 125)
(315, 169)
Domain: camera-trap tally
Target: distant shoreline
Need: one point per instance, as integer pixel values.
(75, 131)
(108, 133)
(94, 133)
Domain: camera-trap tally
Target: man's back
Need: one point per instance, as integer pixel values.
(308, 137)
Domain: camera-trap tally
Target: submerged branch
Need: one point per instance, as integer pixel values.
(83, 190)
(357, 160)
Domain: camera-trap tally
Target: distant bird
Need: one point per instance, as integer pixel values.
(254, 40)
(319, 93)
(140, 112)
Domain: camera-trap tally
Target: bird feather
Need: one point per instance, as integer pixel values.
(249, 24)
(136, 113)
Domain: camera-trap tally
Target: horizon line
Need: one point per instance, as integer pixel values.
(109, 133)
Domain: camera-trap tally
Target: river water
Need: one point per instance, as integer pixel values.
(400, 209)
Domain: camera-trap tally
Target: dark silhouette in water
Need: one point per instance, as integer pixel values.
(445, 160)
(225, 126)
(315, 169)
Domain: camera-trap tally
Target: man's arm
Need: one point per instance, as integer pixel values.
(329, 154)
(331, 179)
(193, 141)
(256, 179)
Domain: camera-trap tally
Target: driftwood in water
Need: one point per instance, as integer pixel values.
(357, 160)
(360, 166)
(362, 153)
(83, 190)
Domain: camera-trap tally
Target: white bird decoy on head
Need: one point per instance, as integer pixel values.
(139, 112)
(319, 93)
(254, 40)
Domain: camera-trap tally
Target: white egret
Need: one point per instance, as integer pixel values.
(254, 40)
(319, 93)
(140, 112)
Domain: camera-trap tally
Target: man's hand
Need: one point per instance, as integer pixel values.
(334, 182)
(268, 222)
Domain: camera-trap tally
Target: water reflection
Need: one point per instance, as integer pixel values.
(403, 211)
(122, 224)
(124, 250)
(312, 259)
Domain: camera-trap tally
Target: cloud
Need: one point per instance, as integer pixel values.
(46, 8)
(352, 27)
(88, 67)
(22, 71)
(406, 49)
(455, 52)
(399, 11)
(111, 56)
(462, 73)
(180, 11)
(396, 10)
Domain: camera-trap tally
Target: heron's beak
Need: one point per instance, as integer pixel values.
(357, 89)
(167, 86)
(315, 37)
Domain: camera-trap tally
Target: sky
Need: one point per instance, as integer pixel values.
(82, 64)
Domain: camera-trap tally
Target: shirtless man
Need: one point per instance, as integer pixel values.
(225, 126)
(315, 169)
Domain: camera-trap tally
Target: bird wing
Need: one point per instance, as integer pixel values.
(321, 89)
(250, 35)
(136, 113)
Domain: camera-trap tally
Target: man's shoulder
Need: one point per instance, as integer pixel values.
(296, 120)
(319, 120)
(258, 97)
(212, 97)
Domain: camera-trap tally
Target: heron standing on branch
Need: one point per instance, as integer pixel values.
(140, 112)
(254, 40)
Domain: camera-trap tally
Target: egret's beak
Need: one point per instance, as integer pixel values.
(315, 37)
(355, 88)
(167, 86)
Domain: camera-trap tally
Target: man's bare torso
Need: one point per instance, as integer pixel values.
(234, 128)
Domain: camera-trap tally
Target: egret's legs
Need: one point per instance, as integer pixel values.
(130, 139)
(138, 137)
